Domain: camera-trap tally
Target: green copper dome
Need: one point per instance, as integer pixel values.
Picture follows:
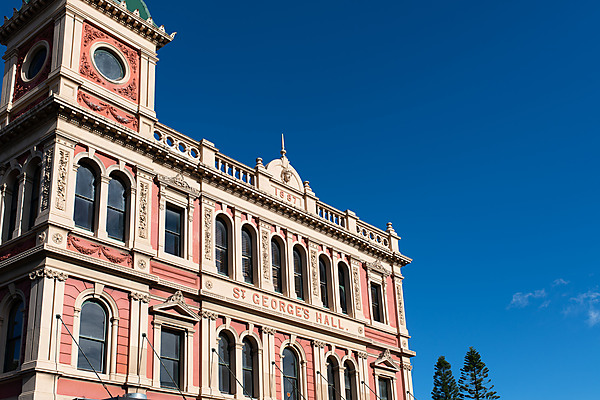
(133, 5)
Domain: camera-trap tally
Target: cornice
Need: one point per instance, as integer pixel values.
(196, 170)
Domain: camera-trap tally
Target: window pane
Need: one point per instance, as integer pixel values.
(170, 355)
(248, 368)
(349, 380)
(323, 283)
(35, 196)
(173, 231)
(343, 282)
(221, 247)
(173, 220)
(384, 389)
(170, 344)
(84, 213)
(247, 257)
(298, 278)
(376, 302)
(172, 244)
(12, 350)
(93, 321)
(85, 185)
(116, 195)
(12, 219)
(276, 266)
(331, 381)
(224, 364)
(115, 224)
(94, 350)
(108, 64)
(170, 367)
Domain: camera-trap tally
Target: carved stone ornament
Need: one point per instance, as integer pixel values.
(265, 254)
(356, 284)
(89, 248)
(313, 267)
(143, 217)
(142, 264)
(268, 330)
(143, 297)
(57, 238)
(362, 354)
(61, 181)
(46, 179)
(320, 344)
(208, 284)
(286, 175)
(385, 360)
(48, 273)
(178, 181)
(42, 238)
(176, 297)
(406, 366)
(400, 305)
(377, 267)
(209, 315)
(208, 233)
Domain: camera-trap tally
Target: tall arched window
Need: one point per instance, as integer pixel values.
(221, 247)
(344, 287)
(276, 266)
(247, 261)
(332, 379)
(115, 213)
(14, 333)
(225, 364)
(249, 368)
(34, 197)
(85, 198)
(349, 380)
(298, 274)
(323, 282)
(291, 371)
(14, 201)
(93, 324)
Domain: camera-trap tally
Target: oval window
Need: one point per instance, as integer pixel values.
(109, 64)
(37, 62)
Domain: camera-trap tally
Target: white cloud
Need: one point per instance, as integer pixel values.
(587, 303)
(520, 300)
(559, 282)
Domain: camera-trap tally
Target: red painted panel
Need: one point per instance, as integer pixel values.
(77, 388)
(17, 249)
(80, 148)
(107, 110)
(22, 87)
(154, 219)
(239, 327)
(174, 274)
(391, 302)
(381, 337)
(102, 252)
(365, 290)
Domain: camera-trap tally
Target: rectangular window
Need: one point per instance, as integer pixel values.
(170, 356)
(376, 302)
(173, 224)
(384, 389)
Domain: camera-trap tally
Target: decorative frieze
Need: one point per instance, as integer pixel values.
(209, 315)
(313, 267)
(46, 179)
(400, 305)
(377, 267)
(89, 249)
(268, 330)
(143, 216)
(362, 354)
(208, 233)
(320, 344)
(179, 182)
(48, 273)
(61, 181)
(137, 296)
(356, 285)
(265, 254)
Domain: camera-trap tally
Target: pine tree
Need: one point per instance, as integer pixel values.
(474, 381)
(444, 385)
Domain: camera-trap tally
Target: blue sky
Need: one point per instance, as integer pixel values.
(471, 125)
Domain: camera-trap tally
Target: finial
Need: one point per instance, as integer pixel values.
(282, 146)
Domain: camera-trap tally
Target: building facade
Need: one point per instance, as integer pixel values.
(134, 259)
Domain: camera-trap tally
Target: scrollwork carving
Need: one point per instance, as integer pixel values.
(48, 273)
(313, 267)
(320, 344)
(356, 281)
(208, 233)
(265, 254)
(46, 179)
(209, 315)
(268, 330)
(61, 182)
(143, 216)
(143, 297)
(96, 249)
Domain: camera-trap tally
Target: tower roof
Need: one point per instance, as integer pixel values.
(132, 5)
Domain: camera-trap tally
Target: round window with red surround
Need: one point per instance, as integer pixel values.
(110, 63)
(35, 61)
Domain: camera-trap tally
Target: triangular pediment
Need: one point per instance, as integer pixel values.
(175, 307)
(385, 361)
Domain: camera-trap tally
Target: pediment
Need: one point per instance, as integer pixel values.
(385, 361)
(175, 307)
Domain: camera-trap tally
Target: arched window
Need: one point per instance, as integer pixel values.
(115, 213)
(349, 380)
(34, 197)
(85, 198)
(14, 333)
(298, 275)
(323, 282)
(225, 364)
(221, 247)
(332, 379)
(249, 368)
(276, 266)
(290, 375)
(92, 337)
(344, 287)
(247, 261)
(12, 216)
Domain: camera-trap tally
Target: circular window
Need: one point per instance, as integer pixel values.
(34, 61)
(109, 64)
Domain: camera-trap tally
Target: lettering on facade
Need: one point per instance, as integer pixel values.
(46, 179)
(61, 182)
(143, 231)
(290, 198)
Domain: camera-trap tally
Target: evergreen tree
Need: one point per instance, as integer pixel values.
(474, 381)
(444, 385)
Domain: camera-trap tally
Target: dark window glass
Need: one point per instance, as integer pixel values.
(221, 247)
(12, 350)
(290, 375)
(384, 389)
(247, 261)
(376, 302)
(115, 214)
(332, 382)
(34, 203)
(173, 231)
(323, 283)
(14, 199)
(343, 283)
(85, 198)
(276, 266)
(225, 365)
(92, 337)
(170, 355)
(298, 275)
(37, 62)
(248, 368)
(349, 380)
(109, 64)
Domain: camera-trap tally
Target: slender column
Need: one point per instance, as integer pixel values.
(102, 207)
(265, 279)
(237, 246)
(321, 367)
(208, 365)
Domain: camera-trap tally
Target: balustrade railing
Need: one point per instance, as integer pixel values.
(235, 169)
(331, 214)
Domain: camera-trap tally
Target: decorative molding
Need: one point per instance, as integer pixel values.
(209, 315)
(46, 179)
(137, 296)
(320, 344)
(268, 330)
(176, 301)
(96, 249)
(385, 360)
(265, 254)
(377, 267)
(48, 273)
(61, 182)
(142, 264)
(406, 366)
(208, 219)
(400, 305)
(106, 110)
(313, 267)
(178, 181)
(57, 238)
(143, 217)
(362, 354)
(356, 284)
